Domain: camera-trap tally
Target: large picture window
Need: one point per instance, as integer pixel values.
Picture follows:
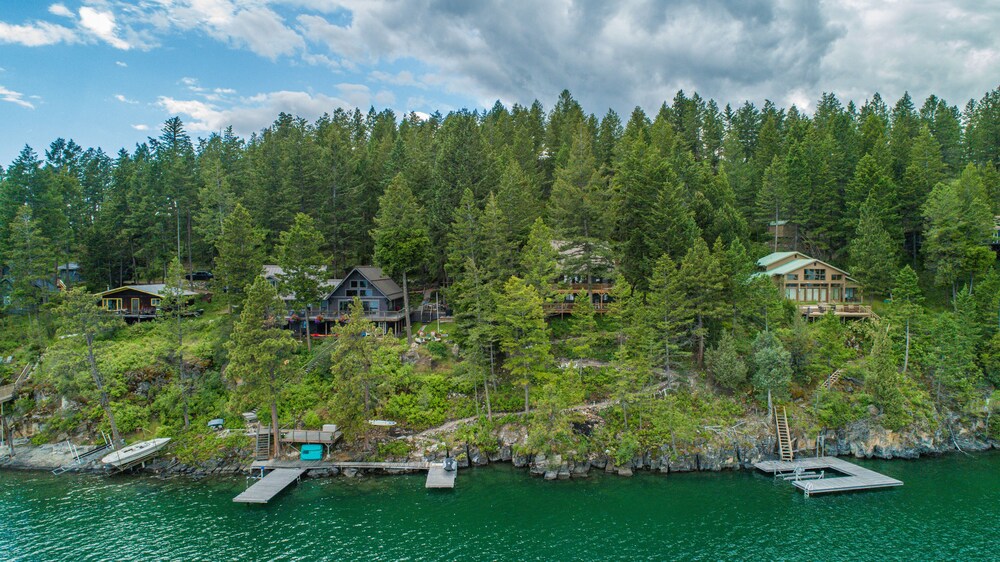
(815, 274)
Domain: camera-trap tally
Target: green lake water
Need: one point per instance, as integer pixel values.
(948, 509)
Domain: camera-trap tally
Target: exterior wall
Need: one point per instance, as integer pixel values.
(353, 285)
(129, 301)
(818, 283)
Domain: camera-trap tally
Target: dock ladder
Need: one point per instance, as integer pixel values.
(784, 438)
(263, 451)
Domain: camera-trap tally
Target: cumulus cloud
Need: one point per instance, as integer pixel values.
(123, 99)
(634, 51)
(250, 114)
(60, 10)
(16, 98)
(121, 64)
(36, 34)
(241, 24)
(102, 25)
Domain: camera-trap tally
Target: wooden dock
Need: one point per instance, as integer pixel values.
(284, 472)
(269, 486)
(438, 477)
(855, 477)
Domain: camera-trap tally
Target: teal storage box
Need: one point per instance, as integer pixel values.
(311, 453)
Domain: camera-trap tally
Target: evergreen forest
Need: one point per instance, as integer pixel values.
(494, 213)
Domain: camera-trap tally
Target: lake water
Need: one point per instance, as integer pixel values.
(949, 508)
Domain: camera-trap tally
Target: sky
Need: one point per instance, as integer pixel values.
(108, 73)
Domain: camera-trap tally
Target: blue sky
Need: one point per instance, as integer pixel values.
(108, 73)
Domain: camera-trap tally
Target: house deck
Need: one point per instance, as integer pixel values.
(856, 477)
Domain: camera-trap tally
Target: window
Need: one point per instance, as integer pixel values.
(359, 284)
(344, 306)
(836, 277)
(113, 304)
(815, 274)
(154, 302)
(792, 277)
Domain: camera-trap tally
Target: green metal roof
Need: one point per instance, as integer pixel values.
(775, 257)
(791, 266)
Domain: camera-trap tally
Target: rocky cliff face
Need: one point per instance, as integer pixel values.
(726, 452)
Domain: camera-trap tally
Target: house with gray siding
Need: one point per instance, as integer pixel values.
(381, 297)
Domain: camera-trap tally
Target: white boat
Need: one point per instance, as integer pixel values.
(135, 452)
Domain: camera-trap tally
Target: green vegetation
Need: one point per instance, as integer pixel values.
(509, 213)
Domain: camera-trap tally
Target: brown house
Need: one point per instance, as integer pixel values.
(136, 302)
(808, 280)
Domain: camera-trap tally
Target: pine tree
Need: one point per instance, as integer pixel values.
(31, 262)
(884, 381)
(259, 349)
(772, 367)
(302, 263)
(175, 300)
(702, 281)
(401, 238)
(671, 310)
(539, 263)
(725, 363)
(578, 212)
(873, 252)
(906, 302)
(523, 335)
(240, 260)
(958, 222)
(79, 314)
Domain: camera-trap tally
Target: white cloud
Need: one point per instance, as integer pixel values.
(16, 98)
(36, 34)
(60, 10)
(121, 64)
(102, 25)
(124, 99)
(249, 114)
(240, 23)
(140, 127)
(401, 78)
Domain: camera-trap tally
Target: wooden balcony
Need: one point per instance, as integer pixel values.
(841, 310)
(577, 288)
(554, 308)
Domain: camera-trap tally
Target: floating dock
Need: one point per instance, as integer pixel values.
(283, 473)
(438, 477)
(855, 477)
(270, 485)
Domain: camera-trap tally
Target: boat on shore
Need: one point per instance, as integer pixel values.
(134, 453)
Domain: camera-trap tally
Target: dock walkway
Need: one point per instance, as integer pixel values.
(856, 477)
(438, 477)
(284, 472)
(270, 485)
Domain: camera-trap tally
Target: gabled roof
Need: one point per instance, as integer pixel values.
(377, 278)
(382, 282)
(803, 262)
(155, 289)
(776, 257)
(790, 266)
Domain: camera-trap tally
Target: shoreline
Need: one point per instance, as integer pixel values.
(49, 457)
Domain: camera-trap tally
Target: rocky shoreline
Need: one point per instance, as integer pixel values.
(728, 452)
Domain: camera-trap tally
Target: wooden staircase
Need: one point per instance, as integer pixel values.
(784, 438)
(9, 392)
(263, 451)
(832, 379)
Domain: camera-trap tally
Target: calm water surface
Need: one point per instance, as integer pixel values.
(949, 509)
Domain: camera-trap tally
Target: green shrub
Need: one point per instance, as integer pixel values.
(394, 449)
(438, 350)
